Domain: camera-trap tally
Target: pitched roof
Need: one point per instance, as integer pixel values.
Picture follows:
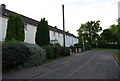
(6, 13)
(60, 31)
(31, 21)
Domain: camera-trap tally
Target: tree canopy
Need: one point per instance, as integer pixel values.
(42, 33)
(110, 35)
(89, 31)
(15, 28)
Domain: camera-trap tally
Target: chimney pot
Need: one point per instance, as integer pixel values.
(3, 6)
(55, 26)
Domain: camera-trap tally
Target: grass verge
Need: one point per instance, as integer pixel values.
(106, 49)
(118, 56)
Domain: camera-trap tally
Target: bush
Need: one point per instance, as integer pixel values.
(38, 55)
(49, 52)
(15, 28)
(12, 42)
(56, 51)
(112, 46)
(14, 55)
(65, 51)
(88, 46)
(57, 44)
(23, 55)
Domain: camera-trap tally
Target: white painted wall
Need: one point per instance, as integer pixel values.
(119, 9)
(0, 28)
(69, 40)
(3, 27)
(56, 36)
(75, 40)
(29, 33)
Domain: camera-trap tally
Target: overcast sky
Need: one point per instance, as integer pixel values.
(76, 11)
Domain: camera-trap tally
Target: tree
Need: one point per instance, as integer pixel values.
(118, 28)
(105, 36)
(15, 28)
(114, 33)
(110, 35)
(42, 34)
(89, 31)
(20, 34)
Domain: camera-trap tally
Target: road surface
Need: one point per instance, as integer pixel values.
(95, 64)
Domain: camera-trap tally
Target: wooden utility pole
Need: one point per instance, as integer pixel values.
(63, 26)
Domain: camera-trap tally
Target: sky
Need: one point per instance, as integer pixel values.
(76, 11)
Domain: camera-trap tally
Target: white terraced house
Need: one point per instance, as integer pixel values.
(56, 35)
(119, 9)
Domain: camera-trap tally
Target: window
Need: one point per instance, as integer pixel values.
(58, 34)
(53, 33)
(25, 26)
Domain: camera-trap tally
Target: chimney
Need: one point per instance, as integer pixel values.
(55, 26)
(3, 6)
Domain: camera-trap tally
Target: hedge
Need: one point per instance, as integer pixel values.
(112, 46)
(56, 51)
(37, 57)
(23, 55)
(14, 55)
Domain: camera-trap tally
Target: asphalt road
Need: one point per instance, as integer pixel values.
(95, 64)
(92, 65)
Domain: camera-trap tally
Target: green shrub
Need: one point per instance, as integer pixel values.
(57, 44)
(22, 55)
(14, 55)
(88, 46)
(118, 55)
(38, 55)
(112, 46)
(56, 51)
(65, 51)
(12, 42)
(49, 52)
(15, 28)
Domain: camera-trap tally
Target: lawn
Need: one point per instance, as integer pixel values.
(118, 55)
(105, 49)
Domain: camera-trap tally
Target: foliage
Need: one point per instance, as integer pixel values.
(57, 44)
(49, 52)
(56, 51)
(15, 28)
(22, 55)
(65, 51)
(109, 35)
(14, 55)
(42, 34)
(118, 28)
(88, 32)
(118, 55)
(110, 38)
(79, 45)
(1, 42)
(11, 42)
(37, 57)
(88, 46)
(112, 46)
